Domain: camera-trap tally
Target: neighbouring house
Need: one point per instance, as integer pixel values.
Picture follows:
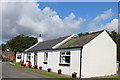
(19, 56)
(7, 54)
(89, 55)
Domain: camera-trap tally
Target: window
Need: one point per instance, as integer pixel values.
(28, 57)
(45, 58)
(65, 58)
(18, 56)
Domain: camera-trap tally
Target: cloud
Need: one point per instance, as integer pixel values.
(26, 18)
(93, 25)
(19, 0)
(113, 25)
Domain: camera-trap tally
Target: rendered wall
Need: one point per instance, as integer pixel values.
(54, 60)
(99, 57)
(18, 60)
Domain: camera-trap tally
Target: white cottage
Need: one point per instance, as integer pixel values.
(89, 55)
(19, 57)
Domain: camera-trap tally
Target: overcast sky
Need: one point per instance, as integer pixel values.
(54, 20)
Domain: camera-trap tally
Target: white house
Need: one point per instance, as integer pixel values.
(89, 55)
(19, 57)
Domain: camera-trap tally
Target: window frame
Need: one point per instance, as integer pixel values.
(45, 58)
(28, 55)
(35, 58)
(64, 55)
(19, 56)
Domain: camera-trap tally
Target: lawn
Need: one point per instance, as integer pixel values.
(44, 73)
(55, 75)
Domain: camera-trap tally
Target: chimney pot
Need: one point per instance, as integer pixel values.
(40, 35)
(40, 39)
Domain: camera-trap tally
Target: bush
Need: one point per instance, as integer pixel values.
(21, 62)
(29, 64)
(12, 59)
(5, 59)
(35, 66)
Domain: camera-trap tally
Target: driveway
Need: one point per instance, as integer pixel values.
(9, 71)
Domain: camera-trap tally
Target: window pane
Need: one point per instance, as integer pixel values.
(67, 59)
(18, 56)
(46, 57)
(28, 54)
(62, 53)
(68, 53)
(62, 59)
(28, 57)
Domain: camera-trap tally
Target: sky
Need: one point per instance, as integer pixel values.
(57, 19)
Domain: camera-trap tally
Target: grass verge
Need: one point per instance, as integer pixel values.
(44, 73)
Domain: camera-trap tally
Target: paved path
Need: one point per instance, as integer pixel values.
(9, 71)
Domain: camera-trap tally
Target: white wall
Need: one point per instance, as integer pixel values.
(25, 56)
(22, 58)
(18, 60)
(32, 59)
(54, 59)
(99, 57)
(117, 67)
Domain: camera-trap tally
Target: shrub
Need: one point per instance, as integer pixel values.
(21, 61)
(5, 59)
(74, 74)
(29, 64)
(35, 66)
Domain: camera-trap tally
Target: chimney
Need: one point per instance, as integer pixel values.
(40, 39)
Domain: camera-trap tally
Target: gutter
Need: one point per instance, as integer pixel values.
(81, 61)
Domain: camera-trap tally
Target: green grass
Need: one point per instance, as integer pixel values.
(112, 78)
(117, 77)
(44, 73)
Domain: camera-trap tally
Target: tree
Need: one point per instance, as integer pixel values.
(20, 43)
(118, 48)
(3, 47)
(116, 38)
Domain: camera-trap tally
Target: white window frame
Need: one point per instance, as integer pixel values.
(45, 57)
(19, 56)
(28, 55)
(64, 54)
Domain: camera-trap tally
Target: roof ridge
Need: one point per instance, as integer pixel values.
(91, 33)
